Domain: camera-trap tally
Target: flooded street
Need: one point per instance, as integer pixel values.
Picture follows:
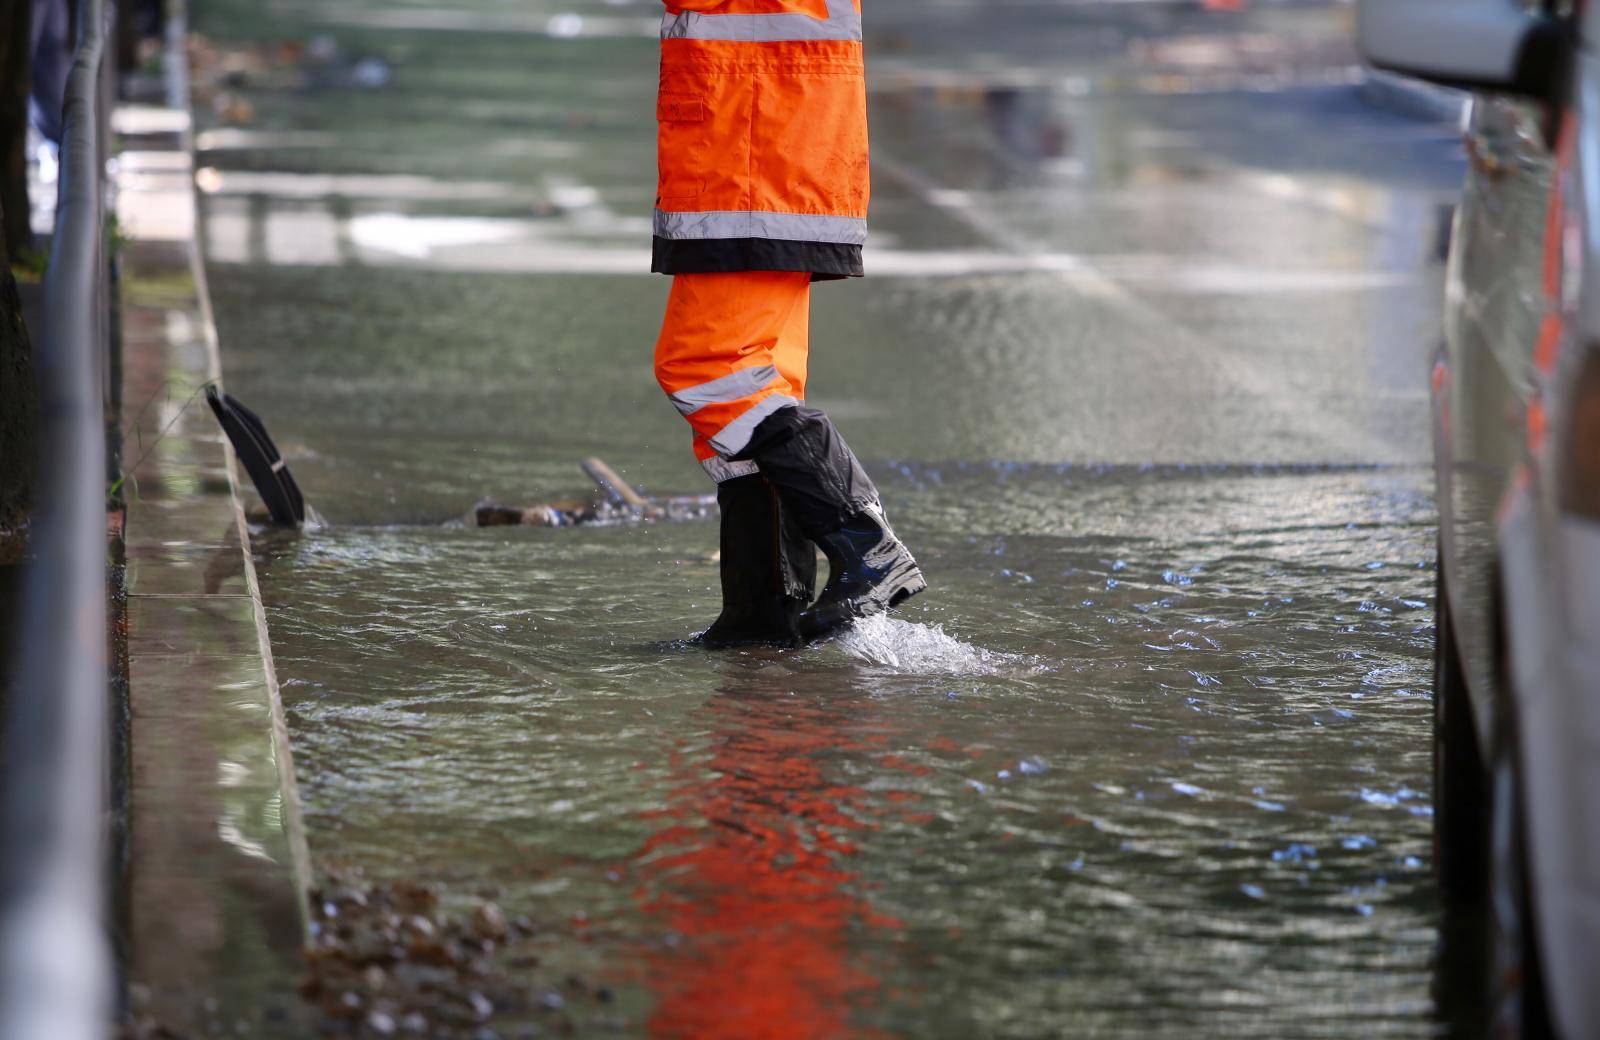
(1139, 367)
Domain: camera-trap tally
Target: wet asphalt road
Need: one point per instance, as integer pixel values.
(1209, 246)
(1140, 364)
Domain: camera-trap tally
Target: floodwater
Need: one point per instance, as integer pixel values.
(1140, 370)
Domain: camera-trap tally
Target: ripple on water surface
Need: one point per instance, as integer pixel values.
(1150, 756)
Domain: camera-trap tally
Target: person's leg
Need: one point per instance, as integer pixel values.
(732, 344)
(792, 356)
(727, 345)
(732, 358)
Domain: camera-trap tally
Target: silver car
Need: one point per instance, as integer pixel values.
(1516, 401)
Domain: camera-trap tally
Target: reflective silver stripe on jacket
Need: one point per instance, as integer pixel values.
(722, 470)
(736, 435)
(732, 387)
(843, 23)
(784, 227)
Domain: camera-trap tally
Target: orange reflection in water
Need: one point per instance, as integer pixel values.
(753, 877)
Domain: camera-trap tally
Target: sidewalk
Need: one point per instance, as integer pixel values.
(217, 862)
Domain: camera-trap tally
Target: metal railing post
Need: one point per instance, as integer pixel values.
(55, 964)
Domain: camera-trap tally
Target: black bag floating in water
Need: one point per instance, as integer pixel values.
(266, 467)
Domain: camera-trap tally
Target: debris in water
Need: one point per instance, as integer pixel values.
(147, 1027)
(578, 513)
(620, 504)
(489, 923)
(386, 960)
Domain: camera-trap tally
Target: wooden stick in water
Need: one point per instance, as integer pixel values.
(612, 484)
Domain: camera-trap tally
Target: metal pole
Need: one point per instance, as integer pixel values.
(55, 965)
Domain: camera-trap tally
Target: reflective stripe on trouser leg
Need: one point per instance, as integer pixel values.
(733, 349)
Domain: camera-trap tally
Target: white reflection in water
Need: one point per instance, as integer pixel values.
(284, 185)
(232, 138)
(299, 236)
(302, 236)
(419, 237)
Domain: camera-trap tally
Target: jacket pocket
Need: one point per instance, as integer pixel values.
(683, 149)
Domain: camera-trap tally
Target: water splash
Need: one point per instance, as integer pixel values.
(907, 646)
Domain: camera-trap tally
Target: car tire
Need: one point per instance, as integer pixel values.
(1518, 1005)
(1461, 782)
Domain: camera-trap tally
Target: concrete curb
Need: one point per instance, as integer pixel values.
(293, 819)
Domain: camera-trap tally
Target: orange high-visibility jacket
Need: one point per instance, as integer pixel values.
(762, 137)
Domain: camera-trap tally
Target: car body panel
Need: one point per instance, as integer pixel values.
(1488, 375)
(1557, 681)
(1523, 315)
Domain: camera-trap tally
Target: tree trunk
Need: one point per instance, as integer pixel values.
(16, 38)
(18, 405)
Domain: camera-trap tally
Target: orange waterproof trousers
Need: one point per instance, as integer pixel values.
(732, 351)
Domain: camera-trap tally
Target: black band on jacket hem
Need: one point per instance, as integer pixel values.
(825, 260)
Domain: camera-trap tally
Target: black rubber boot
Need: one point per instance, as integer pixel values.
(769, 569)
(836, 505)
(870, 571)
(815, 471)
